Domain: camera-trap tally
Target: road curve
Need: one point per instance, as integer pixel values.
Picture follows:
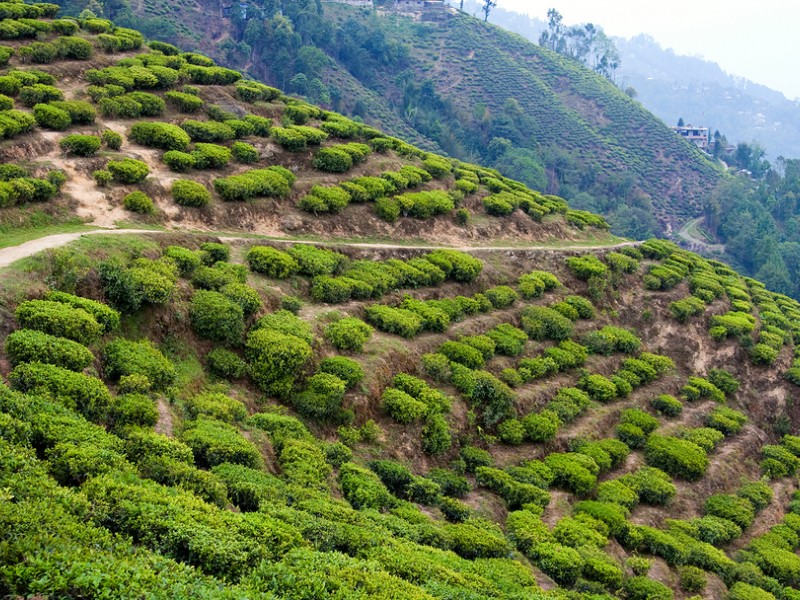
(12, 254)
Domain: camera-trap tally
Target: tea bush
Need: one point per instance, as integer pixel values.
(346, 369)
(76, 391)
(160, 135)
(128, 170)
(586, 267)
(226, 364)
(214, 442)
(190, 193)
(216, 406)
(542, 323)
(61, 320)
(322, 398)
(275, 359)
(28, 345)
(679, 458)
(80, 145)
(138, 202)
(126, 357)
(348, 333)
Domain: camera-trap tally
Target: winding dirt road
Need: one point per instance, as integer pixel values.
(12, 254)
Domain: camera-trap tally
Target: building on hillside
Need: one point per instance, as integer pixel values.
(424, 10)
(362, 3)
(696, 135)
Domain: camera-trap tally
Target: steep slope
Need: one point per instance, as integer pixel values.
(700, 92)
(457, 85)
(183, 122)
(217, 415)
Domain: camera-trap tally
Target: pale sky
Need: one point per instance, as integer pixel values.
(759, 40)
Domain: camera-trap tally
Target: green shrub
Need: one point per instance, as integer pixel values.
(587, 266)
(135, 410)
(346, 369)
(436, 438)
(102, 177)
(598, 387)
(50, 117)
(80, 145)
(76, 391)
(214, 443)
(107, 317)
(160, 135)
(128, 170)
(125, 357)
(206, 131)
(763, 354)
(541, 323)
(402, 407)
(667, 405)
(679, 458)
(726, 420)
(216, 406)
(216, 317)
(542, 426)
(138, 202)
(757, 492)
(256, 183)
(612, 339)
(183, 102)
(732, 508)
(190, 193)
(61, 320)
(745, 591)
(325, 200)
(572, 471)
(363, 489)
(512, 432)
(564, 565)
(333, 160)
(271, 262)
(644, 588)
(394, 320)
(244, 153)
(178, 161)
(322, 398)
(210, 156)
(686, 308)
(652, 485)
(474, 458)
(641, 419)
(226, 364)
(275, 359)
(27, 345)
(348, 333)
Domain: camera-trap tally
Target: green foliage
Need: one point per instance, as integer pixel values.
(214, 442)
(667, 405)
(542, 323)
(512, 432)
(138, 202)
(210, 156)
(362, 488)
(732, 508)
(348, 333)
(80, 145)
(126, 357)
(586, 267)
(58, 319)
(190, 193)
(561, 563)
(322, 398)
(574, 472)
(394, 320)
(726, 420)
(216, 406)
(226, 364)
(26, 345)
(269, 182)
(275, 359)
(49, 117)
(436, 438)
(611, 339)
(652, 485)
(128, 170)
(75, 391)
(644, 588)
(686, 308)
(346, 369)
(216, 317)
(679, 458)
(160, 135)
(541, 427)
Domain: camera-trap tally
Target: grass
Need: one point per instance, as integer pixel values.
(14, 237)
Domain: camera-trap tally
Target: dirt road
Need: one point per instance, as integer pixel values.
(14, 253)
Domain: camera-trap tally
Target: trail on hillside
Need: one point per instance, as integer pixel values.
(690, 234)
(12, 254)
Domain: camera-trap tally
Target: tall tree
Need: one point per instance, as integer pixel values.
(488, 5)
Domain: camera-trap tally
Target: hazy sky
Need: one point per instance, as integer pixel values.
(757, 40)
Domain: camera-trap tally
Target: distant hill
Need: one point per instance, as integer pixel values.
(674, 86)
(701, 92)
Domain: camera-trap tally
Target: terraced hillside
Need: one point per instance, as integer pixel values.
(108, 131)
(483, 414)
